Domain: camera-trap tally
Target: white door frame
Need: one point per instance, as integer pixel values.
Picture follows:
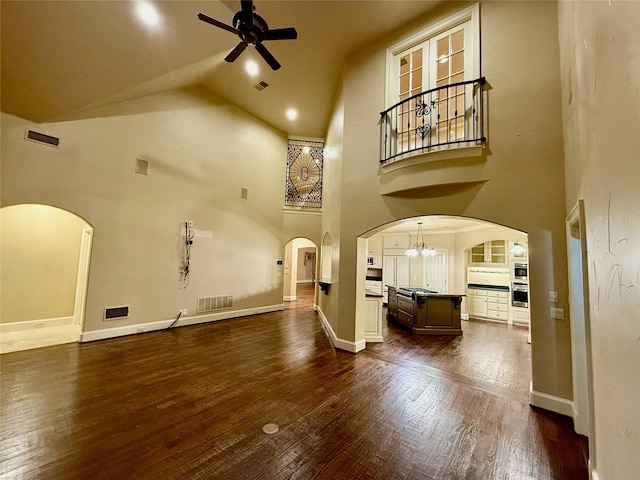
(82, 280)
(583, 412)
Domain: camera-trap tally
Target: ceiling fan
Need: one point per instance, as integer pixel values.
(252, 30)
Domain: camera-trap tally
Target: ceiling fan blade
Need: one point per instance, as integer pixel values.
(217, 23)
(247, 10)
(281, 34)
(236, 52)
(262, 50)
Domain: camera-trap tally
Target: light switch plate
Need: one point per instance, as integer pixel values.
(553, 297)
(557, 313)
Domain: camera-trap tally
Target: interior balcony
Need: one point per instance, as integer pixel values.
(434, 138)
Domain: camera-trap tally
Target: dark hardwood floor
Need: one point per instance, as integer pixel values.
(190, 403)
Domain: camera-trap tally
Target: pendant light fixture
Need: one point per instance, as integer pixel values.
(518, 249)
(419, 248)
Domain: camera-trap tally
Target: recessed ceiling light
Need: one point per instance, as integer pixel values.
(148, 14)
(292, 114)
(252, 68)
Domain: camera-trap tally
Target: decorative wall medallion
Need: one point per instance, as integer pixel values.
(304, 174)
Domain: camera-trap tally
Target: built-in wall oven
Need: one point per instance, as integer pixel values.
(520, 285)
(520, 272)
(520, 294)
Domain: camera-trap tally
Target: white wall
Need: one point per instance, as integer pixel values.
(201, 152)
(600, 71)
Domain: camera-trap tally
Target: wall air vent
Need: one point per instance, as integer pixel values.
(42, 138)
(261, 85)
(142, 166)
(210, 304)
(116, 313)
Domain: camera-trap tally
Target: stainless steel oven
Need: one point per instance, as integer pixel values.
(520, 294)
(520, 272)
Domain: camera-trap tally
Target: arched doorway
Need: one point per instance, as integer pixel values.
(494, 348)
(45, 266)
(300, 270)
(454, 244)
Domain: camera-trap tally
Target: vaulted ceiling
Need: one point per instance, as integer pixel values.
(60, 57)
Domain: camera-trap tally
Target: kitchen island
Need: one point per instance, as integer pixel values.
(424, 311)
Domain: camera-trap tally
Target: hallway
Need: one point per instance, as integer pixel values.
(190, 403)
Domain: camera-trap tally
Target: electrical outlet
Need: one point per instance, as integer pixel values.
(184, 311)
(190, 223)
(553, 297)
(557, 313)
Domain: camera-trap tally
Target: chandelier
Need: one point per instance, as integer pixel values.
(420, 248)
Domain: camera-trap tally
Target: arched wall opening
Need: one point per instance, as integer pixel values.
(300, 267)
(452, 239)
(45, 265)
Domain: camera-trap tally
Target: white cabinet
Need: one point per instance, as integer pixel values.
(489, 253)
(498, 305)
(488, 304)
(397, 240)
(373, 286)
(395, 272)
(477, 301)
(520, 315)
(374, 245)
(373, 320)
(374, 251)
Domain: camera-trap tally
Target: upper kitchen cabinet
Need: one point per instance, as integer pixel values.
(374, 245)
(397, 240)
(374, 251)
(489, 253)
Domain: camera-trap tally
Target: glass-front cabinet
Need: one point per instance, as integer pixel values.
(489, 253)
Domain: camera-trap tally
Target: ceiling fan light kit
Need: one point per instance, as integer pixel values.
(252, 30)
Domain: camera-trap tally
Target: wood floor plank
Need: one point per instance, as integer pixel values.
(190, 403)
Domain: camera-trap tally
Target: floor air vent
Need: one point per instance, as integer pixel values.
(116, 313)
(210, 304)
(42, 138)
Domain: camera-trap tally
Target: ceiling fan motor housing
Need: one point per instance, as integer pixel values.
(250, 32)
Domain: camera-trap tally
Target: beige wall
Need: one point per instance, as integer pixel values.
(331, 205)
(600, 66)
(523, 167)
(40, 248)
(202, 151)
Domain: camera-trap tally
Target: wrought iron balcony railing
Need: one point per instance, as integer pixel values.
(444, 116)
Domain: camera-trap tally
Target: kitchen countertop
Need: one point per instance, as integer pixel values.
(424, 292)
(480, 286)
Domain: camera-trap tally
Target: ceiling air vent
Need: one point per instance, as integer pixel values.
(261, 85)
(42, 138)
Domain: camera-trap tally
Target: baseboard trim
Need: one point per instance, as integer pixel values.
(550, 402)
(353, 347)
(183, 322)
(31, 324)
(373, 339)
(290, 298)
